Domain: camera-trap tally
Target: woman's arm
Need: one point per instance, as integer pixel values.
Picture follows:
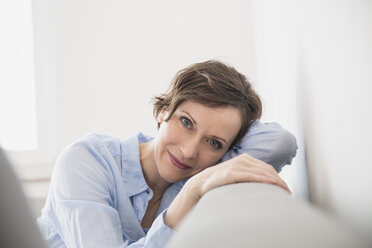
(243, 168)
(268, 142)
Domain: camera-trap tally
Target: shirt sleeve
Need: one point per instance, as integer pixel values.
(81, 205)
(268, 142)
(157, 236)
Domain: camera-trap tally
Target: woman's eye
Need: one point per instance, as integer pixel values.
(215, 143)
(186, 122)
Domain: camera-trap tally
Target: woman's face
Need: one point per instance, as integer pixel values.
(194, 138)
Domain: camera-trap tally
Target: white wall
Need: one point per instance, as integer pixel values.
(335, 65)
(314, 59)
(276, 44)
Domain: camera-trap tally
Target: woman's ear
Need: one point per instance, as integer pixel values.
(163, 115)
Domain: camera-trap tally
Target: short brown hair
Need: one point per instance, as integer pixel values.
(213, 84)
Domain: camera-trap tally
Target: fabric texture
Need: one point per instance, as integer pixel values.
(98, 194)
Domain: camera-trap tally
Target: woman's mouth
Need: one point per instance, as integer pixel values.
(178, 163)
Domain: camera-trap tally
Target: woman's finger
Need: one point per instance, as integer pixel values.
(264, 177)
(263, 171)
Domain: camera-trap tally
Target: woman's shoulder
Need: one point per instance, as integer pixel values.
(98, 142)
(87, 169)
(93, 150)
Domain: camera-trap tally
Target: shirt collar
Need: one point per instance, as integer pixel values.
(132, 174)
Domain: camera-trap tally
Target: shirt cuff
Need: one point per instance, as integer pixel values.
(268, 142)
(159, 233)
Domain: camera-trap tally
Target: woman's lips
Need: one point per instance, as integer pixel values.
(178, 163)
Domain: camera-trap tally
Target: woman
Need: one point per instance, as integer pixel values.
(110, 193)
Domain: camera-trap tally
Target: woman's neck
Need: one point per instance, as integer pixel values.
(150, 171)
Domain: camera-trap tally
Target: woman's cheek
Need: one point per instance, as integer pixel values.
(207, 159)
(174, 132)
(167, 135)
(212, 158)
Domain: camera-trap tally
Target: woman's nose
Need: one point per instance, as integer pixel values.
(190, 147)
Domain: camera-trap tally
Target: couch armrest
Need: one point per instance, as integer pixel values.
(258, 215)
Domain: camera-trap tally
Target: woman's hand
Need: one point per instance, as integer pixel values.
(242, 168)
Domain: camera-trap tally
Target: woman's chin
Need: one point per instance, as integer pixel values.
(171, 176)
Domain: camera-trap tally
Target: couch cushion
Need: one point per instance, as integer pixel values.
(258, 215)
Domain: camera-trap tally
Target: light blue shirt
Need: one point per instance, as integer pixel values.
(98, 194)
